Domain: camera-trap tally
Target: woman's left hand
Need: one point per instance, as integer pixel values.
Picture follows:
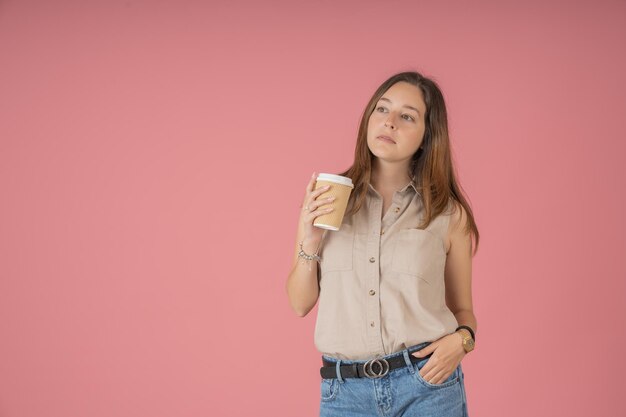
(447, 354)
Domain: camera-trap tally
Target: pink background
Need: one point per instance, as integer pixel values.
(154, 155)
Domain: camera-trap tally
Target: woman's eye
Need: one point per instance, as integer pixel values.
(405, 118)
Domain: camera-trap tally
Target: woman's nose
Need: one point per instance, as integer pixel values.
(389, 123)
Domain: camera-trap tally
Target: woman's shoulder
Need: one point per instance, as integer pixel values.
(457, 214)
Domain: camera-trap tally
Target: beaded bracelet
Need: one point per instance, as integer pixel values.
(306, 256)
(302, 254)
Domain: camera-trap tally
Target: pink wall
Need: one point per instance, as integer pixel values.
(153, 157)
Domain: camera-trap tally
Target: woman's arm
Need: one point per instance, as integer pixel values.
(303, 281)
(448, 350)
(302, 284)
(458, 271)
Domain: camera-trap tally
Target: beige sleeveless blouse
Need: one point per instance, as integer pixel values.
(382, 281)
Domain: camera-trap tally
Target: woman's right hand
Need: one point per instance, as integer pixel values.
(311, 209)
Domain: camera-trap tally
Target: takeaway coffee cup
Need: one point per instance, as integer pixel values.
(340, 188)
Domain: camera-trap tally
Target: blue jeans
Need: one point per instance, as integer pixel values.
(402, 392)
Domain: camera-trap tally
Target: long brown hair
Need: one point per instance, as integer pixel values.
(431, 167)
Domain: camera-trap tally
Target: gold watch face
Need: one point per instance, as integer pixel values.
(468, 343)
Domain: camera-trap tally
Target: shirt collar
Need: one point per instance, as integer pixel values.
(409, 185)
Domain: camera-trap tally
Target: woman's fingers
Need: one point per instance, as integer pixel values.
(309, 190)
(316, 210)
(429, 369)
(440, 377)
(311, 185)
(430, 375)
(320, 202)
(313, 214)
(312, 195)
(434, 375)
(311, 202)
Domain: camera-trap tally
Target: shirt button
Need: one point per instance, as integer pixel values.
(383, 232)
(372, 260)
(372, 324)
(397, 209)
(372, 292)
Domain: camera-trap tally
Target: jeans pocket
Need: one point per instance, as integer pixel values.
(452, 379)
(329, 388)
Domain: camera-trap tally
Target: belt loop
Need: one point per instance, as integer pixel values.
(407, 360)
(337, 367)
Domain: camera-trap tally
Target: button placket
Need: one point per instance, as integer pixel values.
(374, 335)
(396, 201)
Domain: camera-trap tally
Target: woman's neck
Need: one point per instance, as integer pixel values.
(389, 176)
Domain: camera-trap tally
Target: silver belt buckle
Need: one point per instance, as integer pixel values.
(383, 368)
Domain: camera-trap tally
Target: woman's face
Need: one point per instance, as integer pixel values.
(399, 115)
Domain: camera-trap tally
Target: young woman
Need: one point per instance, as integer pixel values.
(395, 315)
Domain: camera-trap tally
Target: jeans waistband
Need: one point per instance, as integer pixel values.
(410, 350)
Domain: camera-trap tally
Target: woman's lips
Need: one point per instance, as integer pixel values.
(386, 139)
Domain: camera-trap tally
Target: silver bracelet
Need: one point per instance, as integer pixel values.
(306, 256)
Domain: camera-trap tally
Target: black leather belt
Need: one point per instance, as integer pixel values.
(374, 368)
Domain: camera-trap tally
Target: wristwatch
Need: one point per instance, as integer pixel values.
(468, 342)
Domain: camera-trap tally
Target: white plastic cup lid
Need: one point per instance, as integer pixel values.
(335, 178)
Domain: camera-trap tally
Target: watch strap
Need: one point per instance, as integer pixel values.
(469, 329)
